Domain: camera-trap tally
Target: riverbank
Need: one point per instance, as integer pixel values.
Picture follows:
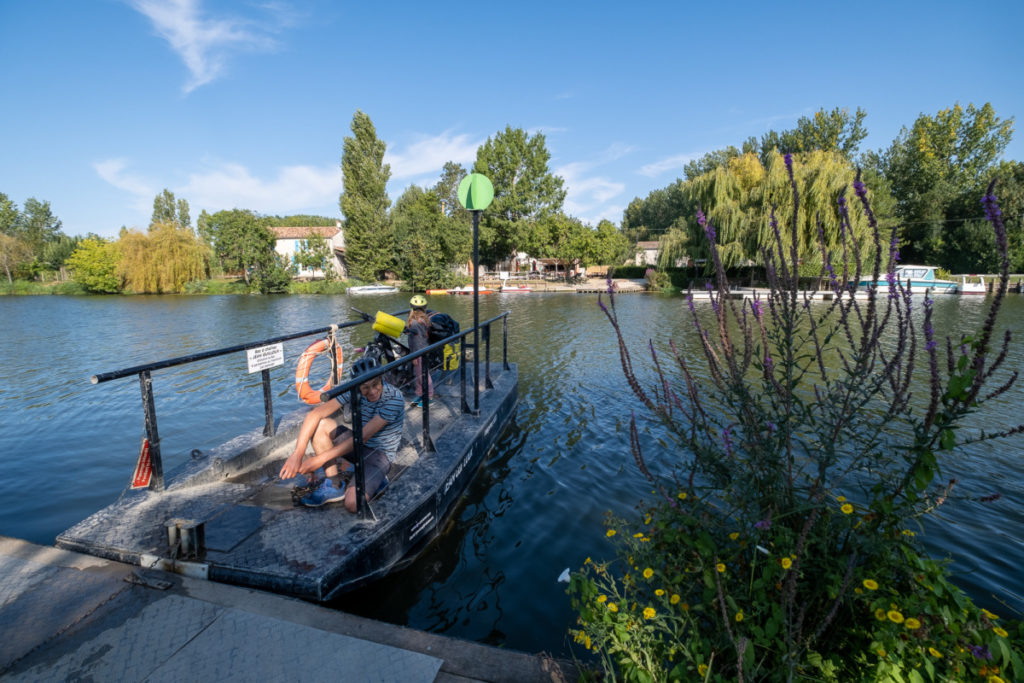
(82, 617)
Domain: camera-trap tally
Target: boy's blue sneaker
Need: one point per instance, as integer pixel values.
(417, 402)
(327, 492)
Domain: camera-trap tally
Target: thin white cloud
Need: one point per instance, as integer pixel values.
(202, 43)
(429, 155)
(667, 164)
(587, 195)
(113, 171)
(293, 189)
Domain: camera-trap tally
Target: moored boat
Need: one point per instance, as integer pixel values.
(468, 289)
(506, 288)
(973, 288)
(373, 289)
(918, 278)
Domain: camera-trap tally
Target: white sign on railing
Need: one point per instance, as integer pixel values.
(265, 357)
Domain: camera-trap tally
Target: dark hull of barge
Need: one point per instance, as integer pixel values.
(241, 527)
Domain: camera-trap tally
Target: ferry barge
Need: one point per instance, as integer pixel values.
(227, 517)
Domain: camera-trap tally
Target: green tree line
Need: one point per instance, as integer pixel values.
(926, 184)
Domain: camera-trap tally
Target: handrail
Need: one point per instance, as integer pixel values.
(149, 410)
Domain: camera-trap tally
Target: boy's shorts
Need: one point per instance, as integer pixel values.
(375, 461)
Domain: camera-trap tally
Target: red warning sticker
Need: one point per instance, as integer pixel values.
(144, 468)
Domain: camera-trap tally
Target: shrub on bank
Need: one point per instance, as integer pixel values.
(782, 544)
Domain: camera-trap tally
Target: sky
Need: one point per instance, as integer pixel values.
(233, 104)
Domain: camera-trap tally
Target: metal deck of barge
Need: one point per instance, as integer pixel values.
(227, 517)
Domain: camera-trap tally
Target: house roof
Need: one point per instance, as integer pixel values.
(301, 232)
(647, 245)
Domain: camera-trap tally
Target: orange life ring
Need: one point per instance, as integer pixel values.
(306, 392)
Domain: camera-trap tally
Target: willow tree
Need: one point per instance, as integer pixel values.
(162, 261)
(740, 199)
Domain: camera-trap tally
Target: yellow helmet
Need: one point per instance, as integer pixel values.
(418, 301)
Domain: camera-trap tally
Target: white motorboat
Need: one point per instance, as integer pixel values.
(373, 289)
(976, 288)
(917, 278)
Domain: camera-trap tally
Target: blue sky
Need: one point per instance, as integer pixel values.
(245, 104)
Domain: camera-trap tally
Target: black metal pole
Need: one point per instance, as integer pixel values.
(357, 454)
(268, 404)
(156, 483)
(476, 311)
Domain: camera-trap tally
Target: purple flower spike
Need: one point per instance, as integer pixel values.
(859, 189)
(755, 305)
(763, 525)
(980, 651)
(789, 164)
(701, 218)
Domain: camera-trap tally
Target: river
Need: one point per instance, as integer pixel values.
(68, 447)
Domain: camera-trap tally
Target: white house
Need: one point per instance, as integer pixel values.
(290, 239)
(647, 253)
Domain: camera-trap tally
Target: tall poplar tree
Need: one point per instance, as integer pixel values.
(369, 237)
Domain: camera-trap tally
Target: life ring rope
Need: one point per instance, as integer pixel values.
(332, 349)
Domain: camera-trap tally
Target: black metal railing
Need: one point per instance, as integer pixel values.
(144, 373)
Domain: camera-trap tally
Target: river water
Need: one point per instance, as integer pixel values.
(68, 447)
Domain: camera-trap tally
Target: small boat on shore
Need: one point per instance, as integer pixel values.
(973, 288)
(467, 289)
(373, 289)
(514, 289)
(919, 279)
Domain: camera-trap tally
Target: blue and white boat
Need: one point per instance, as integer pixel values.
(918, 278)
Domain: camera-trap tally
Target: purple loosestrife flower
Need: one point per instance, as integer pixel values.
(992, 210)
(689, 302)
(980, 651)
(727, 439)
(789, 164)
(756, 306)
(611, 289)
(929, 331)
(860, 189)
(763, 525)
(702, 220)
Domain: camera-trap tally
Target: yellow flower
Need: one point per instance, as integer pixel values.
(611, 532)
(894, 616)
(739, 616)
(912, 624)
(908, 532)
(847, 508)
(702, 669)
(720, 567)
(786, 563)
(858, 590)
(934, 653)
(841, 499)
(586, 561)
(612, 607)
(988, 614)
(638, 534)
(659, 592)
(587, 642)
(647, 519)
(674, 599)
(649, 612)
(734, 535)
(880, 614)
(870, 584)
(681, 495)
(648, 573)
(1001, 632)
(602, 598)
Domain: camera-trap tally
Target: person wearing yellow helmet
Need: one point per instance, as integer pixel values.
(418, 329)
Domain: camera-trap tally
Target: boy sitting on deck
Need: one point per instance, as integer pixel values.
(383, 412)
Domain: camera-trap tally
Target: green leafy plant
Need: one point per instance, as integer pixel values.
(780, 546)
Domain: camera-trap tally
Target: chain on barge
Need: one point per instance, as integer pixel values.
(227, 517)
